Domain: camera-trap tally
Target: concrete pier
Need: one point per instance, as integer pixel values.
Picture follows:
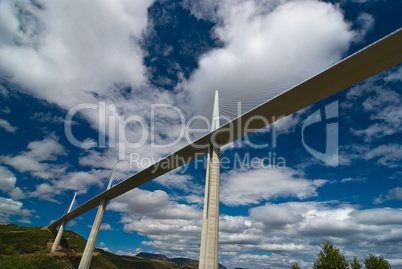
(210, 221)
(56, 242)
(90, 246)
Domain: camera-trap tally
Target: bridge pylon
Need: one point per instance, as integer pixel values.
(93, 236)
(210, 219)
(56, 242)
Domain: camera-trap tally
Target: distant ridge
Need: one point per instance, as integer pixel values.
(152, 256)
(161, 257)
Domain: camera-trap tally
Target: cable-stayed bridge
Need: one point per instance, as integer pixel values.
(363, 64)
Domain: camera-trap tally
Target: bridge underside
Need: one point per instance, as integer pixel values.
(370, 61)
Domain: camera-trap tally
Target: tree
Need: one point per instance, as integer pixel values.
(330, 258)
(295, 265)
(355, 264)
(374, 262)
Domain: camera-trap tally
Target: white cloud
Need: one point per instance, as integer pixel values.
(393, 194)
(80, 182)
(378, 216)
(122, 253)
(303, 226)
(45, 191)
(172, 226)
(172, 180)
(106, 227)
(73, 48)
(72, 223)
(269, 45)
(9, 207)
(395, 76)
(349, 179)
(253, 186)
(5, 110)
(47, 118)
(292, 229)
(284, 215)
(35, 160)
(71, 52)
(7, 126)
(7, 179)
(365, 22)
(387, 155)
(8, 184)
(155, 204)
(381, 103)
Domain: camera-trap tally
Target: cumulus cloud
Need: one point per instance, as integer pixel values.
(365, 24)
(378, 216)
(70, 52)
(280, 228)
(9, 207)
(177, 181)
(66, 51)
(269, 46)
(393, 194)
(35, 160)
(45, 191)
(253, 186)
(381, 103)
(8, 184)
(80, 182)
(155, 204)
(172, 227)
(284, 214)
(7, 179)
(40, 161)
(295, 228)
(303, 227)
(72, 223)
(7, 126)
(104, 227)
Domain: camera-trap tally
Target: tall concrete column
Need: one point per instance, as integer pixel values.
(56, 242)
(90, 246)
(93, 236)
(210, 219)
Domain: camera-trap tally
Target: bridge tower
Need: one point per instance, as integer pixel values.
(210, 220)
(56, 242)
(93, 236)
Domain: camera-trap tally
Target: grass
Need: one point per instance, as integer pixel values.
(27, 247)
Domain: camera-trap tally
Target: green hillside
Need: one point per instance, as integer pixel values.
(29, 247)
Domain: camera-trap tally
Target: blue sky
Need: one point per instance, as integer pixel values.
(154, 61)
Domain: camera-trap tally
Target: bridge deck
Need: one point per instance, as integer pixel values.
(365, 63)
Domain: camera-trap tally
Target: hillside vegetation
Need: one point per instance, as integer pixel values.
(29, 247)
